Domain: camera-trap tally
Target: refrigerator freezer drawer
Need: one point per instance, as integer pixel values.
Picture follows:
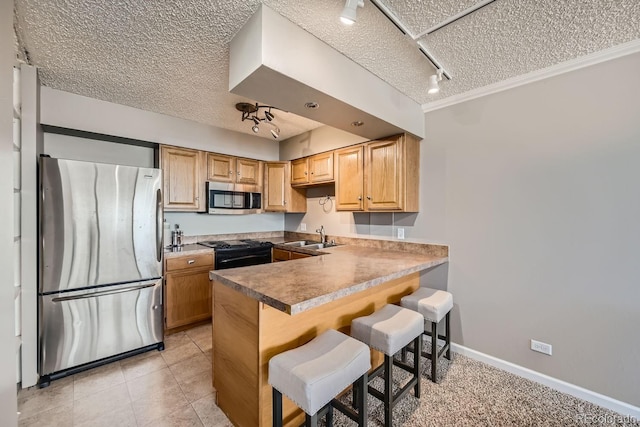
(85, 326)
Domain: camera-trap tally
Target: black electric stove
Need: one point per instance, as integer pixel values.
(239, 253)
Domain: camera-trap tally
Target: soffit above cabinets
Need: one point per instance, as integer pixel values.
(278, 63)
(172, 57)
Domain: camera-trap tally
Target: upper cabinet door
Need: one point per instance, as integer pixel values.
(349, 177)
(182, 179)
(247, 171)
(275, 188)
(321, 167)
(220, 168)
(385, 174)
(300, 171)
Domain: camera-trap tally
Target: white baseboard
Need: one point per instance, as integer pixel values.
(582, 393)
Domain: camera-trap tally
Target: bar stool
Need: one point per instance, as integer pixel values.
(434, 305)
(313, 374)
(389, 330)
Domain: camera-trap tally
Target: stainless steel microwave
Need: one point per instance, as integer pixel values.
(221, 199)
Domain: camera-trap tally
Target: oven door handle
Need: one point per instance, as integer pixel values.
(241, 258)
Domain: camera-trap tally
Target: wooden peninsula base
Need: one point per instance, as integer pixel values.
(247, 333)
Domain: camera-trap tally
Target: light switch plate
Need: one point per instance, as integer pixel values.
(303, 226)
(400, 233)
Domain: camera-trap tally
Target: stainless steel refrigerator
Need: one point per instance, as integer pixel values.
(100, 282)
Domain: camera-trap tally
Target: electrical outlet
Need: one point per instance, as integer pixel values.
(400, 233)
(303, 226)
(541, 347)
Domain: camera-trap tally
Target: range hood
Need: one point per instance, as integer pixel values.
(275, 62)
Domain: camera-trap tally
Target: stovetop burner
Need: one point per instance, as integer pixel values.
(235, 244)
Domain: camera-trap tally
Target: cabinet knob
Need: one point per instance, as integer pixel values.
(230, 172)
(238, 172)
(191, 261)
(197, 198)
(311, 173)
(305, 173)
(368, 197)
(359, 197)
(284, 202)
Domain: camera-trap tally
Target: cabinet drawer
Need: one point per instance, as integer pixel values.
(281, 255)
(193, 261)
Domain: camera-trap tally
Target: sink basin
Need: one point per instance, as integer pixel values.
(318, 245)
(299, 243)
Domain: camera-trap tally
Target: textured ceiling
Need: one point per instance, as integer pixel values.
(172, 57)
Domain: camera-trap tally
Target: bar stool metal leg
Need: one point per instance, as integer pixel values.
(448, 335)
(388, 390)
(417, 350)
(277, 408)
(434, 350)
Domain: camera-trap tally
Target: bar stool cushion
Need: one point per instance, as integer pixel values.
(388, 329)
(433, 304)
(313, 374)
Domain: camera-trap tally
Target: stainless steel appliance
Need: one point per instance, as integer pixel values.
(239, 253)
(100, 282)
(222, 199)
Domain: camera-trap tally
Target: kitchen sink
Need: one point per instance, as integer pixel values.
(318, 245)
(300, 243)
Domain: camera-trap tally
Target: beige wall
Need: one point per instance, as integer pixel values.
(536, 191)
(321, 139)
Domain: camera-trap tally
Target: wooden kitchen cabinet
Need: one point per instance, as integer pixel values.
(300, 171)
(278, 255)
(284, 255)
(349, 174)
(381, 175)
(183, 181)
(312, 170)
(229, 169)
(187, 290)
(278, 194)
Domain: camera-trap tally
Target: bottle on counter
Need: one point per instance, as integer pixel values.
(176, 237)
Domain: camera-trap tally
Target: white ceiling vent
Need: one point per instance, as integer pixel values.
(278, 63)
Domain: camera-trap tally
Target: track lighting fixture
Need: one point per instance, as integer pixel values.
(433, 86)
(348, 16)
(251, 112)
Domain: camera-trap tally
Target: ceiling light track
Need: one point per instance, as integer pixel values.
(454, 18)
(396, 21)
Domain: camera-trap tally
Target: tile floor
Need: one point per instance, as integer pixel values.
(168, 388)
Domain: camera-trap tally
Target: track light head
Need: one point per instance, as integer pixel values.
(433, 86)
(255, 128)
(268, 115)
(348, 15)
(275, 132)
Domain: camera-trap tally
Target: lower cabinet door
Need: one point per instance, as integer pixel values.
(188, 297)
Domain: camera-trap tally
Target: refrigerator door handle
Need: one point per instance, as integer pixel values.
(159, 225)
(99, 294)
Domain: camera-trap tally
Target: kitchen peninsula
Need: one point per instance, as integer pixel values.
(263, 310)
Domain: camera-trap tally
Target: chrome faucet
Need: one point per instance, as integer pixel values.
(323, 237)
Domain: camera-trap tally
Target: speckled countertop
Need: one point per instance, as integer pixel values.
(186, 250)
(299, 285)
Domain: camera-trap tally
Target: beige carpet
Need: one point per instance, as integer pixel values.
(472, 393)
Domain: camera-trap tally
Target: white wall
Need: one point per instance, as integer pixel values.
(536, 191)
(92, 150)
(72, 111)
(8, 405)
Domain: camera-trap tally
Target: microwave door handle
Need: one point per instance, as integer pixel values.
(241, 258)
(102, 293)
